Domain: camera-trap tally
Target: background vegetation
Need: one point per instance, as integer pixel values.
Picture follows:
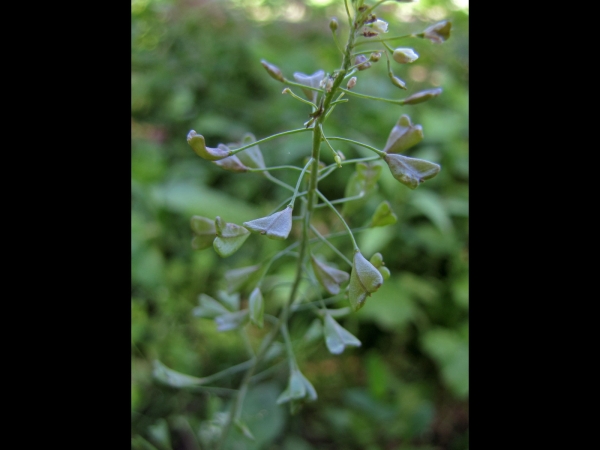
(196, 65)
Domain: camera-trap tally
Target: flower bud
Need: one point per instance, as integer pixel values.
(438, 32)
(272, 70)
(333, 24)
(397, 81)
(364, 280)
(379, 26)
(404, 55)
(403, 136)
(410, 171)
(361, 62)
(422, 96)
(196, 141)
(375, 56)
(351, 83)
(276, 226)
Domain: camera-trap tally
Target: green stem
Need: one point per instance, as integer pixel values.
(278, 182)
(324, 199)
(391, 38)
(265, 169)
(370, 97)
(379, 152)
(297, 97)
(237, 150)
(300, 178)
(330, 245)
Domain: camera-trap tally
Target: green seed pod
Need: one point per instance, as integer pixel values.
(438, 32)
(256, 305)
(383, 216)
(209, 308)
(329, 277)
(232, 320)
(299, 388)
(196, 141)
(252, 156)
(337, 337)
(411, 171)
(397, 81)
(230, 237)
(272, 70)
(376, 260)
(384, 271)
(204, 230)
(404, 55)
(276, 226)
(364, 280)
(403, 135)
(237, 279)
(422, 96)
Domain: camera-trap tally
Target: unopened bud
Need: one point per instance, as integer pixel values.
(361, 62)
(272, 70)
(333, 24)
(338, 161)
(375, 56)
(397, 81)
(405, 55)
(379, 26)
(341, 155)
(438, 32)
(422, 96)
(286, 90)
(351, 83)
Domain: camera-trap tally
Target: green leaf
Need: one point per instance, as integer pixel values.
(337, 337)
(383, 215)
(231, 321)
(364, 280)
(411, 171)
(329, 277)
(172, 378)
(230, 237)
(231, 301)
(257, 307)
(209, 308)
(276, 226)
(244, 429)
(236, 279)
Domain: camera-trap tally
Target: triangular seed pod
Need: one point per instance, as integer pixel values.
(329, 277)
(364, 280)
(411, 171)
(403, 136)
(276, 226)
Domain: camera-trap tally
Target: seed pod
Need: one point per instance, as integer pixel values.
(364, 280)
(272, 70)
(411, 171)
(422, 96)
(329, 277)
(276, 226)
(256, 305)
(403, 135)
(204, 230)
(337, 337)
(397, 81)
(196, 141)
(230, 237)
(299, 388)
(438, 32)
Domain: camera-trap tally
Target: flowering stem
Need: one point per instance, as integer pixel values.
(379, 152)
(237, 150)
(322, 197)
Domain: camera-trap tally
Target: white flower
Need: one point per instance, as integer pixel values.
(405, 55)
(379, 26)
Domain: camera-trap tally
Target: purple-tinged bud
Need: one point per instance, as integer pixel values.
(272, 70)
(397, 81)
(351, 83)
(438, 32)
(404, 55)
(313, 81)
(379, 26)
(361, 62)
(422, 96)
(375, 56)
(196, 141)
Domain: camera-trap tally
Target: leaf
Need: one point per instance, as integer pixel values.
(276, 226)
(411, 171)
(329, 277)
(209, 308)
(244, 429)
(236, 279)
(232, 320)
(230, 237)
(383, 215)
(337, 337)
(257, 307)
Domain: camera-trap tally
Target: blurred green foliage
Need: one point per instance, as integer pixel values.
(196, 65)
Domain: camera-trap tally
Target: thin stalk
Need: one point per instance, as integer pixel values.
(237, 150)
(265, 169)
(300, 178)
(278, 182)
(322, 197)
(373, 149)
(330, 245)
(391, 38)
(370, 97)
